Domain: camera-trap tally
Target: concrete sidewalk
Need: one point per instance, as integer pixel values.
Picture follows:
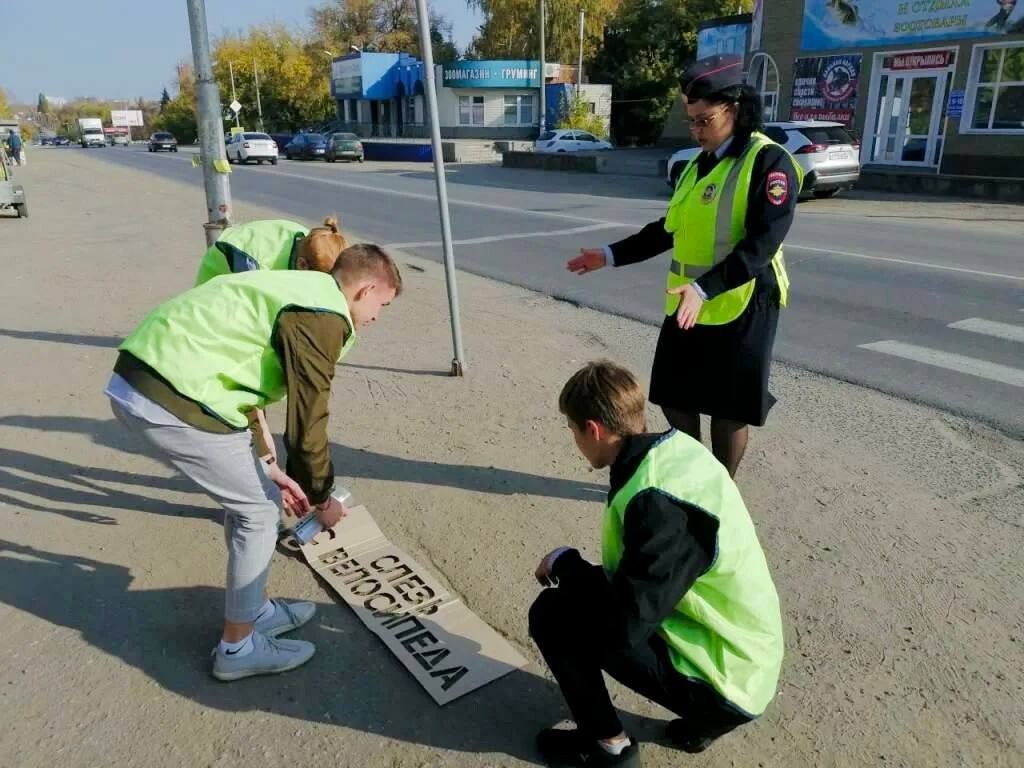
(894, 532)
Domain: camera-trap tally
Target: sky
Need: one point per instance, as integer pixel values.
(129, 48)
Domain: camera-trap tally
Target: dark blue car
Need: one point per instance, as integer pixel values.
(306, 146)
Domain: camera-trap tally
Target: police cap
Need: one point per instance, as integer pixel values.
(711, 75)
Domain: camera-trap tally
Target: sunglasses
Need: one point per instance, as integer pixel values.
(704, 122)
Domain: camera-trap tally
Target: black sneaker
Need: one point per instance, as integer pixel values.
(685, 740)
(571, 748)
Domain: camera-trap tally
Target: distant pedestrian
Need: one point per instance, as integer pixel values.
(732, 208)
(14, 145)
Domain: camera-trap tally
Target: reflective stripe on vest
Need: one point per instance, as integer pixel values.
(727, 629)
(707, 217)
(266, 244)
(215, 344)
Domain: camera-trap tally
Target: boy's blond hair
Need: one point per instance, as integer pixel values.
(365, 260)
(607, 393)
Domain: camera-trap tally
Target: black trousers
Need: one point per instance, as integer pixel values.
(557, 625)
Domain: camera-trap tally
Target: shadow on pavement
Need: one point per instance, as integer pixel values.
(353, 681)
(351, 462)
(111, 342)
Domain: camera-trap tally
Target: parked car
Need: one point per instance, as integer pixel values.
(244, 147)
(345, 146)
(163, 141)
(567, 140)
(306, 146)
(119, 139)
(828, 153)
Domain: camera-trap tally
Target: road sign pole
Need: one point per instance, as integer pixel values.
(211, 126)
(427, 51)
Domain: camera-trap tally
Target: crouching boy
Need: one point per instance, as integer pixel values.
(681, 610)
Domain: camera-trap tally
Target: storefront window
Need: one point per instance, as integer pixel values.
(471, 110)
(519, 110)
(997, 90)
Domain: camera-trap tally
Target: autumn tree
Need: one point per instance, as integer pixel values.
(5, 107)
(179, 114)
(165, 97)
(388, 26)
(511, 28)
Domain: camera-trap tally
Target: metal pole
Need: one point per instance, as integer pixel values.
(210, 124)
(427, 51)
(543, 95)
(579, 70)
(234, 98)
(259, 106)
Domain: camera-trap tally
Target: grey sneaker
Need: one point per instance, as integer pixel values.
(287, 616)
(268, 657)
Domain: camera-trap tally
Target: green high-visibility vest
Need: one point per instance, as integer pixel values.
(267, 244)
(727, 629)
(215, 344)
(707, 218)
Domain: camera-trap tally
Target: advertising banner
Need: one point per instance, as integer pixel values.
(825, 88)
(832, 24)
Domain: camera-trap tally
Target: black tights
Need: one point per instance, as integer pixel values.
(728, 437)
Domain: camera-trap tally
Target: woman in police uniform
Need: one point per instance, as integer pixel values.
(731, 210)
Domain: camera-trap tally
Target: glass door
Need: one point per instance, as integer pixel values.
(909, 129)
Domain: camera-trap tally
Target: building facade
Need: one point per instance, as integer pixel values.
(932, 86)
(382, 95)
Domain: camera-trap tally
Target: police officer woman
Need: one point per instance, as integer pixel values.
(732, 208)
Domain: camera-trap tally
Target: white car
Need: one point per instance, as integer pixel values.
(828, 153)
(244, 147)
(570, 140)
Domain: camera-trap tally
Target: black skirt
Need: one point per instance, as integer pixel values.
(719, 370)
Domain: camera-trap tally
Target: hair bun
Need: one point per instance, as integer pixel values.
(331, 222)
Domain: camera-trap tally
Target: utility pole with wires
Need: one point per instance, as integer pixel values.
(256, 77)
(579, 69)
(543, 66)
(234, 99)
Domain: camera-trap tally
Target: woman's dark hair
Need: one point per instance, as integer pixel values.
(749, 115)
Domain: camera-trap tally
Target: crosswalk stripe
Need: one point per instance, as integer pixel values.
(972, 366)
(990, 328)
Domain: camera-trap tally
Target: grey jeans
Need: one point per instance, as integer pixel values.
(227, 469)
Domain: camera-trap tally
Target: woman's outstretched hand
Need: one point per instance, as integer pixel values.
(589, 260)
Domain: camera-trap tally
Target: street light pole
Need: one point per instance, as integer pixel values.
(543, 94)
(231, 71)
(579, 69)
(426, 49)
(211, 126)
(256, 77)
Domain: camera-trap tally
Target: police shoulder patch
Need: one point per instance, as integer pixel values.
(777, 187)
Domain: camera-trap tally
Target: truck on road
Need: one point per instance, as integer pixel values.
(92, 132)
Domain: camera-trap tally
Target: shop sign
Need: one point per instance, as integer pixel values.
(491, 74)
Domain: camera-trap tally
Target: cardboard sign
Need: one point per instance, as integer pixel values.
(448, 649)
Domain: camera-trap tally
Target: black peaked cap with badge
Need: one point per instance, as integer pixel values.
(711, 75)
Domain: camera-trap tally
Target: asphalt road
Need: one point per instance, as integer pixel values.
(929, 307)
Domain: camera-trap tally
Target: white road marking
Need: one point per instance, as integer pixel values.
(908, 262)
(990, 328)
(621, 225)
(972, 366)
(502, 238)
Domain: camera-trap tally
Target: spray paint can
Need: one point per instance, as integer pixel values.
(307, 530)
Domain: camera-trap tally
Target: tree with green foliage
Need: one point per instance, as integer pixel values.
(646, 46)
(510, 29)
(43, 105)
(5, 107)
(574, 112)
(165, 98)
(179, 114)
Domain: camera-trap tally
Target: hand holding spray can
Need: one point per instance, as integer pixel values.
(307, 530)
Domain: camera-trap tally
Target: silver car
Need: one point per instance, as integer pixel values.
(828, 153)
